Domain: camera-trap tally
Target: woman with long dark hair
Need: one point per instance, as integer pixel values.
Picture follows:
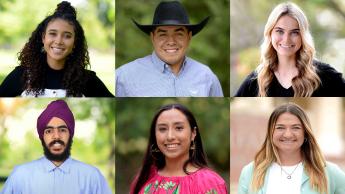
(175, 161)
(53, 62)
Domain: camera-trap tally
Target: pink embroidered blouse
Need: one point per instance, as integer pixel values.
(203, 181)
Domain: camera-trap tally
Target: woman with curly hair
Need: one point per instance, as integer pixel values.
(53, 62)
(175, 161)
(290, 159)
(288, 66)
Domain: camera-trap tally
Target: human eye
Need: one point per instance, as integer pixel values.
(279, 127)
(63, 129)
(279, 31)
(162, 129)
(47, 131)
(295, 33)
(179, 128)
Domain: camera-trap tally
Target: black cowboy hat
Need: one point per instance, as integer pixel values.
(171, 14)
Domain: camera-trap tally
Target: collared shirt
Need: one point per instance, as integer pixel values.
(43, 177)
(152, 77)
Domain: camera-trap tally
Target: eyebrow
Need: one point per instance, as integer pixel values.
(176, 30)
(279, 28)
(300, 125)
(175, 123)
(66, 32)
(52, 127)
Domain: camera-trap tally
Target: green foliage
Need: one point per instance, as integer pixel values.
(133, 120)
(211, 46)
(96, 16)
(97, 150)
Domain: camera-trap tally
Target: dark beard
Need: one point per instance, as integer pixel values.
(58, 157)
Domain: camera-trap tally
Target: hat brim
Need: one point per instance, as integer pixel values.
(194, 28)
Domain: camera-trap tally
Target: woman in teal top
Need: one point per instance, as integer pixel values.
(290, 160)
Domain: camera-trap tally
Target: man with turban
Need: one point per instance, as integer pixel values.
(56, 172)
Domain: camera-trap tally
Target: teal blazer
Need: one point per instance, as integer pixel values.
(335, 177)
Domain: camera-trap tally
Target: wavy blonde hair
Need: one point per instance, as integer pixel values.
(314, 162)
(307, 80)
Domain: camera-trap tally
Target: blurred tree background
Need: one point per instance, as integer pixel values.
(133, 120)
(210, 46)
(248, 19)
(19, 18)
(93, 142)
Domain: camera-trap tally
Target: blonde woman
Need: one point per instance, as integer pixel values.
(288, 66)
(290, 160)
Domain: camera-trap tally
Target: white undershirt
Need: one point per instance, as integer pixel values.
(278, 181)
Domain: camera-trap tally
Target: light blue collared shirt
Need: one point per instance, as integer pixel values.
(152, 77)
(43, 177)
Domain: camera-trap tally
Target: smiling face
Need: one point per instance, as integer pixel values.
(288, 134)
(58, 41)
(286, 37)
(174, 135)
(170, 43)
(56, 136)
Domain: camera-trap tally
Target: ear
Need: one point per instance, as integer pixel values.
(151, 35)
(190, 35)
(193, 133)
(43, 35)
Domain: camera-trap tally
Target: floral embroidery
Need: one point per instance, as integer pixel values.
(169, 187)
(212, 191)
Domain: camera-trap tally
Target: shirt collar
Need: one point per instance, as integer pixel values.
(161, 66)
(49, 165)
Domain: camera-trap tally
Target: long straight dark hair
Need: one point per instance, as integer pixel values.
(157, 159)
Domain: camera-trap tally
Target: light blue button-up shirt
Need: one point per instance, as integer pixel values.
(152, 77)
(43, 177)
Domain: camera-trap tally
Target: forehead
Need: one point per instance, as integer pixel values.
(172, 115)
(287, 22)
(56, 121)
(60, 25)
(288, 118)
(170, 28)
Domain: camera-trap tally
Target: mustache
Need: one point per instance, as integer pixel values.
(56, 141)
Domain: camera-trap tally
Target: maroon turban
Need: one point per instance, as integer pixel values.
(59, 109)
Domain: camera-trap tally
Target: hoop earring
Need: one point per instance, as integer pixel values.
(154, 150)
(192, 148)
(305, 140)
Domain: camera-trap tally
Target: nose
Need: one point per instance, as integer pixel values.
(59, 39)
(56, 134)
(171, 135)
(288, 133)
(171, 40)
(286, 38)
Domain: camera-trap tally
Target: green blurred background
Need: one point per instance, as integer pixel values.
(133, 120)
(211, 46)
(93, 142)
(248, 19)
(18, 18)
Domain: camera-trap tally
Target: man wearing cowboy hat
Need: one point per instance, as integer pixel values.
(168, 71)
(56, 172)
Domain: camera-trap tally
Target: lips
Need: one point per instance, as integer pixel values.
(171, 50)
(57, 50)
(288, 141)
(286, 46)
(171, 146)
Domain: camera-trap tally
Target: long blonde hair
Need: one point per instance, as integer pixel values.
(307, 80)
(314, 162)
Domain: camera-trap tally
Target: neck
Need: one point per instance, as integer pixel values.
(57, 163)
(56, 65)
(286, 64)
(175, 68)
(290, 159)
(174, 167)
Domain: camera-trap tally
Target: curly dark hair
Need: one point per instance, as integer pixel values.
(35, 62)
